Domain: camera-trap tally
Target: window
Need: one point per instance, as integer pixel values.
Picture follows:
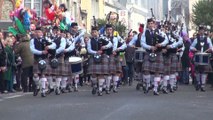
(95, 8)
(34, 4)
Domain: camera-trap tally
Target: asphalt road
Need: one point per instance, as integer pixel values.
(128, 104)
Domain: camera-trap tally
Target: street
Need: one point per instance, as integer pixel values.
(127, 104)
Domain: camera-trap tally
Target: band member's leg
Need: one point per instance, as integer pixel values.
(165, 81)
(63, 84)
(203, 81)
(147, 80)
(198, 80)
(94, 82)
(58, 82)
(37, 85)
(157, 79)
(76, 81)
(43, 85)
(172, 78)
(115, 82)
(51, 86)
(108, 83)
(101, 81)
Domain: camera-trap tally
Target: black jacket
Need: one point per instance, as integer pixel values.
(2, 55)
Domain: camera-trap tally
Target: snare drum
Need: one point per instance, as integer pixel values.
(139, 55)
(202, 58)
(76, 65)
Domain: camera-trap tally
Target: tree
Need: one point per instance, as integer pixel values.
(121, 28)
(202, 13)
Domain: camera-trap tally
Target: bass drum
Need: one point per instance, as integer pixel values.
(76, 65)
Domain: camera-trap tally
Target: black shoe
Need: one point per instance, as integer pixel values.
(138, 86)
(146, 91)
(197, 87)
(43, 94)
(115, 91)
(171, 90)
(69, 88)
(100, 93)
(63, 90)
(175, 88)
(35, 92)
(57, 91)
(165, 91)
(202, 89)
(107, 92)
(156, 93)
(18, 89)
(50, 91)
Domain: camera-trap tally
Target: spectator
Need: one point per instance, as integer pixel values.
(23, 49)
(185, 59)
(2, 63)
(9, 73)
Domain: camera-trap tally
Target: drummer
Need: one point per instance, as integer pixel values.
(97, 46)
(135, 43)
(70, 50)
(202, 44)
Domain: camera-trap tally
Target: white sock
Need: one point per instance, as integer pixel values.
(156, 80)
(94, 81)
(165, 80)
(108, 82)
(197, 75)
(152, 79)
(50, 81)
(147, 79)
(64, 82)
(43, 83)
(203, 79)
(172, 80)
(100, 83)
(36, 81)
(58, 82)
(76, 80)
(115, 81)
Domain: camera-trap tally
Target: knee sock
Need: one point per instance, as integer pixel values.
(156, 80)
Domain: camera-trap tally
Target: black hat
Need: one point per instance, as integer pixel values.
(150, 20)
(94, 28)
(47, 2)
(109, 25)
(74, 24)
(38, 28)
(63, 6)
(201, 28)
(55, 28)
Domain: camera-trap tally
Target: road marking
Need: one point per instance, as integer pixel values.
(14, 96)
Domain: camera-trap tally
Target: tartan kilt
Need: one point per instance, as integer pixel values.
(155, 67)
(98, 68)
(203, 68)
(175, 63)
(138, 67)
(167, 65)
(62, 69)
(115, 65)
(47, 71)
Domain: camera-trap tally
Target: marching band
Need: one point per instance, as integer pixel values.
(58, 56)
